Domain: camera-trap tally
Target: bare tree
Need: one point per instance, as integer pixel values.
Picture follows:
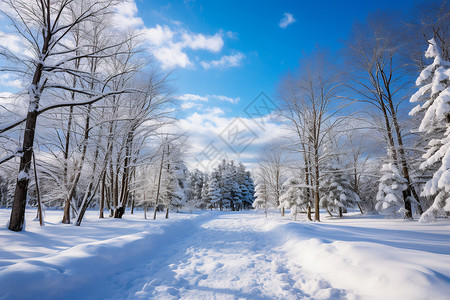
(379, 80)
(309, 103)
(273, 167)
(44, 28)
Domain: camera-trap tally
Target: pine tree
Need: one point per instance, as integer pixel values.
(434, 91)
(262, 196)
(390, 191)
(337, 191)
(293, 197)
(214, 191)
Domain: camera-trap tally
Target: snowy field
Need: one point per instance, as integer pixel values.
(229, 255)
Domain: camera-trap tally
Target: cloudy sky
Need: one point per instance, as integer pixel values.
(226, 58)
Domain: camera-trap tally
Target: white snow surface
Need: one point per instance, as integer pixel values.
(225, 255)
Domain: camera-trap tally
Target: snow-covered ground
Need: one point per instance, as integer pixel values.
(225, 255)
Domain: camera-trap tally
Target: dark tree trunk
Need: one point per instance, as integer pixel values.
(329, 212)
(340, 213)
(316, 192)
(102, 196)
(20, 196)
(38, 193)
(309, 212)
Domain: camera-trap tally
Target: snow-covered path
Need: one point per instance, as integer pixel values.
(225, 257)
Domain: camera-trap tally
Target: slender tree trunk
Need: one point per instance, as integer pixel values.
(316, 187)
(309, 212)
(167, 212)
(38, 193)
(102, 196)
(159, 184)
(66, 216)
(329, 212)
(360, 208)
(340, 213)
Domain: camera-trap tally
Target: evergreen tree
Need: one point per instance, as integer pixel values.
(434, 91)
(293, 197)
(337, 191)
(390, 191)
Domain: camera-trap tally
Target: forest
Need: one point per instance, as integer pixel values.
(96, 125)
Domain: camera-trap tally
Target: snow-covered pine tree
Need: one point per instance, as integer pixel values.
(434, 91)
(262, 196)
(390, 191)
(173, 185)
(214, 191)
(337, 191)
(249, 190)
(205, 196)
(293, 197)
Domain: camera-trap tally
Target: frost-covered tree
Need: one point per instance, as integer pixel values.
(262, 192)
(205, 196)
(390, 200)
(337, 191)
(310, 104)
(294, 197)
(261, 197)
(48, 50)
(434, 91)
(214, 190)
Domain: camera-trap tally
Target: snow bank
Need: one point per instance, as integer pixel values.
(373, 262)
(80, 270)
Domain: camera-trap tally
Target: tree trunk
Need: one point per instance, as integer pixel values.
(329, 212)
(340, 213)
(167, 212)
(66, 216)
(360, 208)
(316, 187)
(38, 193)
(309, 212)
(102, 196)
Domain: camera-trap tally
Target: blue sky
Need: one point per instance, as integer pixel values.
(223, 54)
(227, 52)
(268, 50)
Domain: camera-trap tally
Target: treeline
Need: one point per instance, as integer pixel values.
(342, 110)
(92, 115)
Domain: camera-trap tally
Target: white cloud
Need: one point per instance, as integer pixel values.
(197, 41)
(189, 105)
(11, 81)
(225, 61)
(172, 56)
(206, 127)
(192, 97)
(287, 20)
(158, 35)
(168, 45)
(225, 98)
(126, 15)
(231, 35)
